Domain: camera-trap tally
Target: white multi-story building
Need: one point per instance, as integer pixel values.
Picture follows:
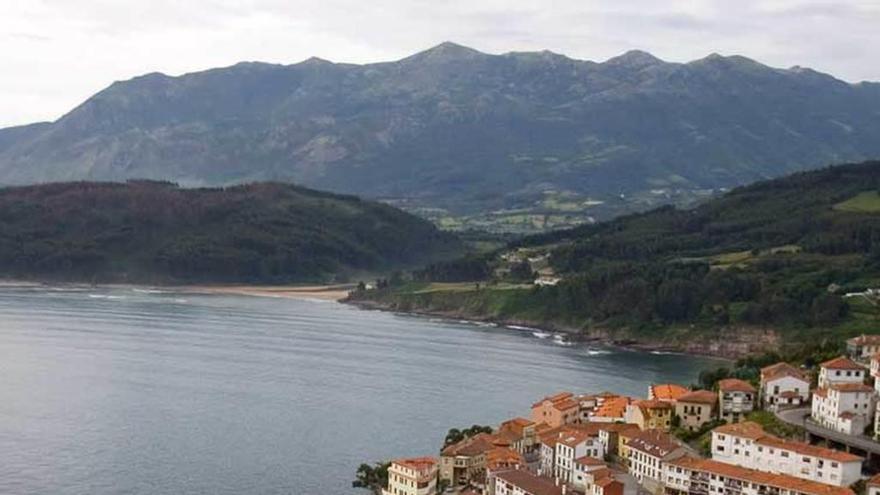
(839, 371)
(783, 385)
(748, 445)
(647, 452)
(844, 407)
(572, 445)
(736, 399)
(416, 476)
(691, 476)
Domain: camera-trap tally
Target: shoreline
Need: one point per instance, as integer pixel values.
(523, 326)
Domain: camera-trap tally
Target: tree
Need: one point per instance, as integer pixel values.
(455, 435)
(373, 477)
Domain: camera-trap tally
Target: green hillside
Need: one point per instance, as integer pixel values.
(156, 232)
(779, 255)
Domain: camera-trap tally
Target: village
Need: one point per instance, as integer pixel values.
(610, 444)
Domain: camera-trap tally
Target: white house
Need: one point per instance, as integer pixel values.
(573, 445)
(783, 385)
(736, 398)
(863, 347)
(873, 485)
(845, 407)
(647, 453)
(840, 370)
(416, 476)
(688, 475)
(749, 446)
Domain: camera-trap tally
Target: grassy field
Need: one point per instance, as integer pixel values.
(866, 202)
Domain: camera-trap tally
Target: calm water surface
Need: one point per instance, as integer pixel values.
(128, 391)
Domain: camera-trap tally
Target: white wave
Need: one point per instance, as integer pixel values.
(597, 352)
(541, 335)
(518, 327)
(106, 296)
(149, 291)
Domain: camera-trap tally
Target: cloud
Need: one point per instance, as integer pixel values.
(56, 53)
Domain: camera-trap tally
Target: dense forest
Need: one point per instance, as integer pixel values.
(157, 232)
(781, 254)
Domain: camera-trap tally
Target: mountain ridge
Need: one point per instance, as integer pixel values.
(461, 132)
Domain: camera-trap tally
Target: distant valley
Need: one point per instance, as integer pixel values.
(519, 142)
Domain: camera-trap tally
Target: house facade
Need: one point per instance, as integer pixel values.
(696, 408)
(652, 414)
(648, 451)
(748, 445)
(556, 410)
(736, 399)
(840, 370)
(415, 476)
(861, 348)
(844, 407)
(784, 386)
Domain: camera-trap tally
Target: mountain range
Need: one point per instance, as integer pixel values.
(453, 132)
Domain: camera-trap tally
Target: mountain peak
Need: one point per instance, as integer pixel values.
(446, 51)
(636, 59)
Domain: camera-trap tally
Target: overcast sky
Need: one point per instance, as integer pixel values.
(56, 53)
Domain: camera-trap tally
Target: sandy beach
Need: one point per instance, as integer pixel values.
(325, 292)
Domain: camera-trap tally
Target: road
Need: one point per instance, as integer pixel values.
(800, 417)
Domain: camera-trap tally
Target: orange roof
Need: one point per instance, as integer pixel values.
(735, 385)
(475, 445)
(503, 456)
(418, 463)
(613, 407)
(841, 363)
(603, 482)
(536, 485)
(699, 397)
(779, 370)
(820, 392)
(753, 476)
(589, 461)
(513, 429)
(569, 434)
(754, 431)
(666, 391)
(561, 396)
(652, 404)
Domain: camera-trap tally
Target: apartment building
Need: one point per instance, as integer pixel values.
(844, 407)
(415, 476)
(736, 399)
(694, 409)
(748, 445)
(784, 385)
(692, 476)
(647, 452)
(863, 347)
(465, 461)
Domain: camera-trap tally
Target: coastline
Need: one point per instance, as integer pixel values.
(323, 292)
(572, 334)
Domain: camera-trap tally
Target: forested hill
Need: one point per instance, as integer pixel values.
(780, 255)
(157, 232)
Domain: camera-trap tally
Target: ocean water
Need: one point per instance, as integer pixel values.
(134, 391)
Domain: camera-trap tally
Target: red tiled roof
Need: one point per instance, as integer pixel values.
(613, 407)
(475, 445)
(759, 477)
(418, 463)
(874, 481)
(865, 339)
(653, 442)
(536, 485)
(561, 396)
(667, 391)
(779, 370)
(589, 461)
(735, 385)
(841, 363)
(699, 397)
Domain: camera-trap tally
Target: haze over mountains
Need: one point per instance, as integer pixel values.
(461, 130)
